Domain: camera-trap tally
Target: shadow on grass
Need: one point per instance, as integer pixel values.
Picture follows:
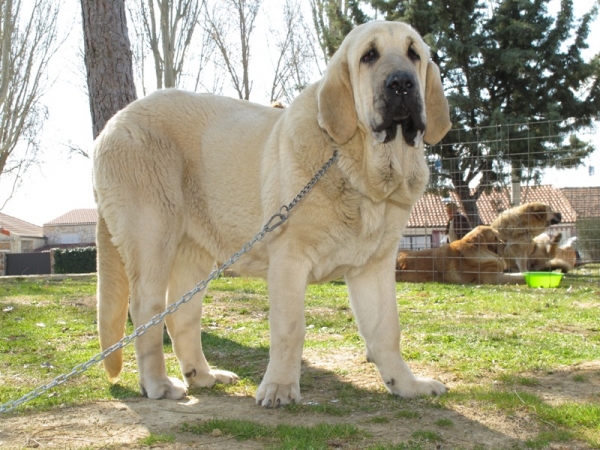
(120, 392)
(329, 399)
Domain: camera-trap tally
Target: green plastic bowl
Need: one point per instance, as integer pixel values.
(543, 279)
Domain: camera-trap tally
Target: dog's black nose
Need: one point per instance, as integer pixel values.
(400, 83)
(557, 218)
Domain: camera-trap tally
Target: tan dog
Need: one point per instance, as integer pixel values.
(547, 255)
(566, 258)
(471, 260)
(517, 228)
(183, 180)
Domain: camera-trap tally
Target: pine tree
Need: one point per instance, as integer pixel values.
(518, 86)
(333, 20)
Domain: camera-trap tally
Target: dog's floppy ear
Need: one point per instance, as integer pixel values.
(335, 100)
(436, 106)
(553, 245)
(539, 213)
(493, 240)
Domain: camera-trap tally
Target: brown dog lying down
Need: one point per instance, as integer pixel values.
(473, 259)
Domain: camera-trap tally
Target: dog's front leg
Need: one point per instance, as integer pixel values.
(372, 295)
(522, 263)
(287, 282)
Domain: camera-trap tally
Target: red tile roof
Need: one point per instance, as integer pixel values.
(76, 217)
(12, 225)
(586, 201)
(430, 211)
(490, 205)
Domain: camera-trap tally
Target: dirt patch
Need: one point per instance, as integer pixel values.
(123, 424)
(580, 383)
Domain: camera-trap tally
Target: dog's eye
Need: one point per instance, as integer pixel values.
(413, 55)
(370, 56)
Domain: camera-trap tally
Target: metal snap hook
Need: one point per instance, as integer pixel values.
(275, 220)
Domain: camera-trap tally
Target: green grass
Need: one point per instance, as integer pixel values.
(281, 436)
(578, 419)
(156, 439)
(426, 435)
(407, 414)
(497, 343)
(444, 423)
(47, 328)
(495, 329)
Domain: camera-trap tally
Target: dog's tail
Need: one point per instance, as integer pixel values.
(113, 298)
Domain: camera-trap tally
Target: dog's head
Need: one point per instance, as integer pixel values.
(540, 215)
(544, 250)
(483, 237)
(382, 81)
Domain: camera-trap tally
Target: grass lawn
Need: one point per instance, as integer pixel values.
(513, 357)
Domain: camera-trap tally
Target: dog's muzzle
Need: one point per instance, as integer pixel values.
(402, 106)
(556, 219)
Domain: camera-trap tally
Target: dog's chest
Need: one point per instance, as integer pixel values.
(365, 235)
(359, 216)
(371, 219)
(352, 242)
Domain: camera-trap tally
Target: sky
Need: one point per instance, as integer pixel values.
(62, 182)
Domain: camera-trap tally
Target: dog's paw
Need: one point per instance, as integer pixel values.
(209, 379)
(416, 387)
(271, 395)
(170, 388)
(224, 376)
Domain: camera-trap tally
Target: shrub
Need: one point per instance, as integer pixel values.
(588, 238)
(75, 260)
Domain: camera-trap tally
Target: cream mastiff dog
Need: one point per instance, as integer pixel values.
(184, 180)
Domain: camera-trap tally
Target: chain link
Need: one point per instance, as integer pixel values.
(275, 221)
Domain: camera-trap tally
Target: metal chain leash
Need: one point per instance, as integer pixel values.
(275, 221)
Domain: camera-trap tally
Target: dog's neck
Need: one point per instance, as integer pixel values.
(384, 171)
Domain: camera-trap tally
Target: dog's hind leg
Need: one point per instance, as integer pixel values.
(192, 264)
(373, 299)
(151, 255)
(113, 298)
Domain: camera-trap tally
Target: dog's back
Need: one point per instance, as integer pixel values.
(150, 176)
(417, 266)
(471, 259)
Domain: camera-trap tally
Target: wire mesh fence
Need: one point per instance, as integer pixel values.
(492, 177)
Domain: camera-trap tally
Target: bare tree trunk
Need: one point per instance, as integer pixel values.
(295, 50)
(218, 22)
(468, 199)
(167, 44)
(6, 15)
(168, 28)
(153, 37)
(107, 59)
(318, 13)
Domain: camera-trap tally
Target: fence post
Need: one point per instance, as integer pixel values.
(52, 253)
